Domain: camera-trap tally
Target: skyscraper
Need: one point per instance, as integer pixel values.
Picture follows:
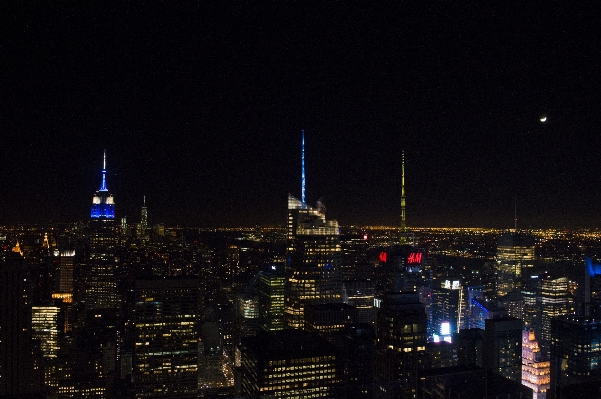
(289, 364)
(575, 349)
(166, 338)
(502, 347)
(271, 299)
(16, 361)
(313, 273)
(448, 305)
(101, 286)
(401, 345)
(514, 252)
(44, 327)
(535, 372)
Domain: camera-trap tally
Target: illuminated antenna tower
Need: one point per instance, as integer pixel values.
(515, 213)
(303, 170)
(406, 237)
(103, 184)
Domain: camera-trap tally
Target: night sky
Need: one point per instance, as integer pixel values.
(200, 107)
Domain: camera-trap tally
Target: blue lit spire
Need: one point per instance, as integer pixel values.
(103, 204)
(103, 184)
(303, 170)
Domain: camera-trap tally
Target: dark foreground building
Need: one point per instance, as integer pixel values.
(575, 356)
(289, 364)
(166, 338)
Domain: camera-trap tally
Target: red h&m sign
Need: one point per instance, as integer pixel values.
(414, 257)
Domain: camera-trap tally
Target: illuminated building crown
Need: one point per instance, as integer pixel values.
(103, 205)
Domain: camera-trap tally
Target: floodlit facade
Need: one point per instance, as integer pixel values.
(313, 273)
(536, 374)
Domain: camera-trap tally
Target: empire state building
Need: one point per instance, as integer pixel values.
(101, 285)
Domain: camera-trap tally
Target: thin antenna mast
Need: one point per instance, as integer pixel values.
(103, 184)
(515, 213)
(303, 169)
(403, 221)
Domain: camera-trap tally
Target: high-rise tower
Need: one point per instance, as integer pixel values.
(101, 286)
(313, 272)
(515, 252)
(144, 220)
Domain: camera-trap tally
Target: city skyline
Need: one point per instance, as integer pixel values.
(200, 109)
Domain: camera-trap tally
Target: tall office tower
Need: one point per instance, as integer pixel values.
(65, 281)
(167, 312)
(530, 304)
(502, 347)
(16, 360)
(403, 269)
(356, 346)
(144, 219)
(553, 302)
(271, 298)
(401, 345)
(247, 315)
(355, 260)
(448, 305)
(575, 349)
(289, 364)
(101, 285)
(313, 272)
(536, 373)
(360, 294)
(44, 328)
(514, 252)
(513, 302)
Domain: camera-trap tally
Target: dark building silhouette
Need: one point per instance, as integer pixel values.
(401, 346)
(16, 359)
(575, 353)
(502, 347)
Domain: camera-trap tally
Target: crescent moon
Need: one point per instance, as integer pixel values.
(543, 119)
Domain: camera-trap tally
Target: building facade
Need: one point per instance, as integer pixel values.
(536, 373)
(313, 273)
(166, 353)
(101, 285)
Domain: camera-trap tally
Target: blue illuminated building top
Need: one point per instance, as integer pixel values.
(103, 205)
(592, 269)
